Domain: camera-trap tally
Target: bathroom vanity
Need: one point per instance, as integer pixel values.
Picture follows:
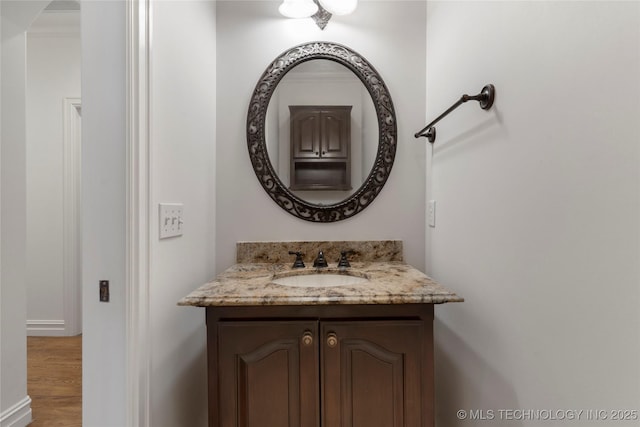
(315, 350)
(337, 345)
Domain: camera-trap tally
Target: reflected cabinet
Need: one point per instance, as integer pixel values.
(320, 147)
(314, 366)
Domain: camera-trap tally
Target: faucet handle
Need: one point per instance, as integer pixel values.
(344, 262)
(320, 262)
(298, 262)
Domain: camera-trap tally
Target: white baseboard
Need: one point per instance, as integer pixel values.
(46, 328)
(19, 415)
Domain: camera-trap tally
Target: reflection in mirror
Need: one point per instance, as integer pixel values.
(323, 174)
(324, 86)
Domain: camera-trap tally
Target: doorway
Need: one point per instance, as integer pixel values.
(53, 171)
(53, 223)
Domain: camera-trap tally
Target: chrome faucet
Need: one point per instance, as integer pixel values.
(320, 262)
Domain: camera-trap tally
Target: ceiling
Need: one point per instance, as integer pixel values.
(60, 16)
(63, 6)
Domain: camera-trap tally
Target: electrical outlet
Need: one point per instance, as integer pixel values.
(171, 220)
(431, 213)
(104, 291)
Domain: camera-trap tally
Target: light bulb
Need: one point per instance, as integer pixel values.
(339, 7)
(298, 8)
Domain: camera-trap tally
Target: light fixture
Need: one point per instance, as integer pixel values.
(320, 10)
(298, 8)
(339, 7)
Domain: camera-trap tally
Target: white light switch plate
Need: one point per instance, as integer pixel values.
(171, 222)
(431, 213)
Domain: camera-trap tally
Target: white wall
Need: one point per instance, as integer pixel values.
(103, 208)
(53, 74)
(537, 206)
(14, 402)
(13, 389)
(183, 136)
(391, 35)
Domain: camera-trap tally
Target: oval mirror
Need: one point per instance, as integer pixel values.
(321, 132)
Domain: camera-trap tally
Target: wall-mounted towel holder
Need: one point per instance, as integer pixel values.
(485, 98)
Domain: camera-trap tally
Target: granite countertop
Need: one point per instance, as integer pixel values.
(251, 284)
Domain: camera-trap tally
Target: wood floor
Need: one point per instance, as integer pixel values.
(54, 381)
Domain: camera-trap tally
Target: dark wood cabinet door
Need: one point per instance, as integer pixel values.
(268, 374)
(335, 132)
(372, 374)
(305, 133)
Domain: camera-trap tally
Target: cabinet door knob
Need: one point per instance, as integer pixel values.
(332, 339)
(307, 338)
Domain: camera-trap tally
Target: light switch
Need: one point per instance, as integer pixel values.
(171, 221)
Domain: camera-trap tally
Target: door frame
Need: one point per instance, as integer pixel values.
(138, 50)
(72, 237)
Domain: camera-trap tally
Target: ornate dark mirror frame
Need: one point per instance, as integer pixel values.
(387, 131)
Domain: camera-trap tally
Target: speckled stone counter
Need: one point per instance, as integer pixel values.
(278, 252)
(250, 282)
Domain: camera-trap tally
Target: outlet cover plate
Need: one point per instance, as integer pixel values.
(431, 213)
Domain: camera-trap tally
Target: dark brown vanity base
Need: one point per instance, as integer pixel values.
(321, 366)
(340, 355)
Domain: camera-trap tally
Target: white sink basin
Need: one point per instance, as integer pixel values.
(326, 280)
